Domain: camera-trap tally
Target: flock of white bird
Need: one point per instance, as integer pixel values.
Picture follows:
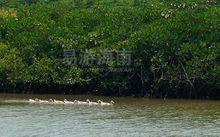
(75, 102)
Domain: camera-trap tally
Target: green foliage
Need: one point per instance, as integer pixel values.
(90, 3)
(78, 3)
(175, 45)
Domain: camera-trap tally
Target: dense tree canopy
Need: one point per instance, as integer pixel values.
(175, 46)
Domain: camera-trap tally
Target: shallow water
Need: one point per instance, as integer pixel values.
(132, 117)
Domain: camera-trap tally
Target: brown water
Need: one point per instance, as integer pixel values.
(132, 117)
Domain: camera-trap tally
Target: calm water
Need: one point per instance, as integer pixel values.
(128, 117)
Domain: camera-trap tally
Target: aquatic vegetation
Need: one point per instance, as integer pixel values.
(174, 47)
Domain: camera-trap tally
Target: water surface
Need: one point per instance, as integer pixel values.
(132, 117)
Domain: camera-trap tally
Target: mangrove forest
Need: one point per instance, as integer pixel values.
(141, 48)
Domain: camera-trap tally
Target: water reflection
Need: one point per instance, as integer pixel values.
(128, 117)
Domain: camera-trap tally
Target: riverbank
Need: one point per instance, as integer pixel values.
(73, 90)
